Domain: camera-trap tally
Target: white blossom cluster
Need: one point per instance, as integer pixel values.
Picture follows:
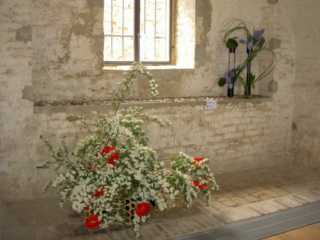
(105, 181)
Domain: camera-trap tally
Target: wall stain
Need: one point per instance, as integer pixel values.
(273, 87)
(95, 3)
(24, 34)
(274, 43)
(27, 93)
(203, 10)
(294, 126)
(273, 1)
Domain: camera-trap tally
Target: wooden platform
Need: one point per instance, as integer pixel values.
(311, 232)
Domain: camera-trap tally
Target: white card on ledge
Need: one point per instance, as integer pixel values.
(211, 104)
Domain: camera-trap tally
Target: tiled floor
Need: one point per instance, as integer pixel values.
(242, 195)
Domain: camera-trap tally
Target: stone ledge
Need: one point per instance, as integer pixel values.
(99, 106)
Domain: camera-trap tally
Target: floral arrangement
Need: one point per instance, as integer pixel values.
(255, 44)
(114, 163)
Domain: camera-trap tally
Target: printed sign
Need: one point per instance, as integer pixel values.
(211, 104)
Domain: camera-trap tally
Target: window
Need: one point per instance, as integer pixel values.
(137, 30)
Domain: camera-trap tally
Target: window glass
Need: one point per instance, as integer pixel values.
(151, 40)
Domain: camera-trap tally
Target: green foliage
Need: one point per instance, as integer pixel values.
(232, 43)
(222, 82)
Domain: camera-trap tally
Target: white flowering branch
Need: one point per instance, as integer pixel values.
(113, 174)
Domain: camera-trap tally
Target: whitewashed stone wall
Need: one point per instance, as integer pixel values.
(52, 51)
(306, 85)
(239, 134)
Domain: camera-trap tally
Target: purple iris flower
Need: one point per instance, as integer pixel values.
(253, 40)
(229, 76)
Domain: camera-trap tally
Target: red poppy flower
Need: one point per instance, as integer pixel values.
(197, 167)
(92, 221)
(197, 160)
(208, 179)
(143, 209)
(89, 168)
(111, 162)
(98, 193)
(86, 208)
(107, 150)
(196, 183)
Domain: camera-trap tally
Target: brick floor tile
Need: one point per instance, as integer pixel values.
(264, 197)
(289, 201)
(251, 199)
(126, 233)
(243, 194)
(114, 235)
(271, 192)
(231, 215)
(228, 194)
(42, 220)
(47, 233)
(267, 207)
(74, 217)
(206, 221)
(163, 230)
(250, 190)
(217, 205)
(149, 232)
(14, 231)
(257, 194)
(57, 216)
(79, 230)
(306, 196)
(222, 199)
(63, 230)
(96, 231)
(230, 203)
(316, 192)
(248, 212)
(239, 200)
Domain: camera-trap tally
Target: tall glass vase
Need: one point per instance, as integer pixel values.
(232, 55)
(247, 90)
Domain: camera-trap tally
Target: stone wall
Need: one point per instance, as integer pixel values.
(51, 52)
(306, 87)
(239, 134)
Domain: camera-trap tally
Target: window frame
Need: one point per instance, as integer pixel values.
(136, 39)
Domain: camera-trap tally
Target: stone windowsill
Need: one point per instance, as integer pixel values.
(97, 105)
(149, 67)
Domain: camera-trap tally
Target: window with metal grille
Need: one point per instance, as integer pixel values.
(137, 30)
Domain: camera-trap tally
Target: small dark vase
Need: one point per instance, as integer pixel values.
(231, 92)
